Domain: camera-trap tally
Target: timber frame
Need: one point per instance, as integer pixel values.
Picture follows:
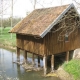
(47, 37)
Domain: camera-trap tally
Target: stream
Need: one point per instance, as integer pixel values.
(12, 71)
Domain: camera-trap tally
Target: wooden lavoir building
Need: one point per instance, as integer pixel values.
(48, 31)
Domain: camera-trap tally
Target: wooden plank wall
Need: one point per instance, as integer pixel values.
(29, 43)
(49, 44)
(53, 46)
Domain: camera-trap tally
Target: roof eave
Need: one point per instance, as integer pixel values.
(57, 19)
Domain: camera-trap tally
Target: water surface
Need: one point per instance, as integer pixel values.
(12, 71)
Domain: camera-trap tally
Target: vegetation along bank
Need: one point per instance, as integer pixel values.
(72, 67)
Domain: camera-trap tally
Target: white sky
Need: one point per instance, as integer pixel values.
(21, 7)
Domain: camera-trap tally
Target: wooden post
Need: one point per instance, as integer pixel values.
(38, 61)
(18, 68)
(18, 54)
(45, 64)
(67, 56)
(25, 56)
(33, 61)
(52, 63)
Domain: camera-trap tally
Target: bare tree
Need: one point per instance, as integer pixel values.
(61, 2)
(4, 6)
(77, 3)
(1, 16)
(11, 17)
(34, 4)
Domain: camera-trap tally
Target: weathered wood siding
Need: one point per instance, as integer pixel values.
(53, 46)
(31, 44)
(49, 44)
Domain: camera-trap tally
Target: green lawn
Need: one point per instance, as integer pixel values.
(5, 37)
(73, 67)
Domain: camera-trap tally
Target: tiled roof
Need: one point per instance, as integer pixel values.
(39, 21)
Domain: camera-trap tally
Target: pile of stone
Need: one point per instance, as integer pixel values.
(31, 67)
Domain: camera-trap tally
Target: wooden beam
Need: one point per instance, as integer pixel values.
(25, 56)
(67, 56)
(33, 61)
(45, 64)
(52, 63)
(18, 54)
(38, 61)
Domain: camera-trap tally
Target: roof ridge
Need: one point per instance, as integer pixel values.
(56, 20)
(52, 7)
(40, 22)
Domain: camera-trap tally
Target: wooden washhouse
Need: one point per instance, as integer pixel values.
(48, 31)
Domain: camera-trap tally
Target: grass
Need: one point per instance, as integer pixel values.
(73, 67)
(6, 41)
(5, 37)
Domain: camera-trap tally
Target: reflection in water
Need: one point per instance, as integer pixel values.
(11, 71)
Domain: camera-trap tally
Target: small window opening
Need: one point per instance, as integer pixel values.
(66, 37)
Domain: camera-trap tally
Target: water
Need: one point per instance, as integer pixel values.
(12, 71)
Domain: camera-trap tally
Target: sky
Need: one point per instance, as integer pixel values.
(21, 7)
